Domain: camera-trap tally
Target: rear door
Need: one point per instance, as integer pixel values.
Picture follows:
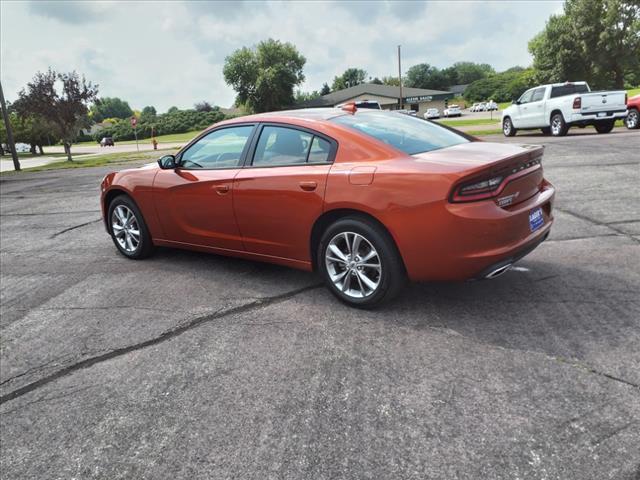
(280, 192)
(195, 201)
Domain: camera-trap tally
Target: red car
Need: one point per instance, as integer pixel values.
(633, 116)
(366, 198)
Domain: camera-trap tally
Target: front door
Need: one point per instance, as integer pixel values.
(195, 201)
(280, 193)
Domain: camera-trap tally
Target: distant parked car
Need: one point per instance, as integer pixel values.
(107, 142)
(633, 106)
(22, 148)
(491, 106)
(452, 111)
(432, 113)
(475, 107)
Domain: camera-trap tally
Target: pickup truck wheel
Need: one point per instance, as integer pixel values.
(559, 127)
(604, 127)
(546, 130)
(508, 128)
(633, 119)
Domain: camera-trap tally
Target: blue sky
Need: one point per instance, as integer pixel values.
(172, 53)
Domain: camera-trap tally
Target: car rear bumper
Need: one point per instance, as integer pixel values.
(475, 238)
(593, 117)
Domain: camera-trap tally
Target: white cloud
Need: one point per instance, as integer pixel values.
(172, 53)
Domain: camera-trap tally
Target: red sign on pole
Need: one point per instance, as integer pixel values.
(134, 122)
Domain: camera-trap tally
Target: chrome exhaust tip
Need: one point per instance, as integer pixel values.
(498, 271)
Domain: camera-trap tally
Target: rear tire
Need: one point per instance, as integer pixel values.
(558, 127)
(633, 119)
(605, 127)
(507, 127)
(128, 229)
(360, 263)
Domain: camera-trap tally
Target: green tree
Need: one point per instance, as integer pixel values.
(148, 114)
(325, 90)
(394, 81)
(501, 87)
(377, 81)
(264, 77)
(203, 106)
(468, 72)
(301, 96)
(593, 40)
(350, 78)
(110, 107)
(424, 75)
(65, 109)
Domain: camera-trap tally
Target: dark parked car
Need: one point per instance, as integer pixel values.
(107, 142)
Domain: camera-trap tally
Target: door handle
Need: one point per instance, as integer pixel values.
(222, 189)
(308, 186)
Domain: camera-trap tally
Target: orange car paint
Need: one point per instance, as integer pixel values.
(269, 213)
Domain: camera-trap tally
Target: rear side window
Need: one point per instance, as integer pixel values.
(404, 132)
(288, 146)
(568, 89)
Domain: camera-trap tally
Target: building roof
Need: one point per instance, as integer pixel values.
(458, 89)
(390, 91)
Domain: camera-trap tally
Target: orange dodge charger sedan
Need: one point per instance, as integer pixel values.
(366, 198)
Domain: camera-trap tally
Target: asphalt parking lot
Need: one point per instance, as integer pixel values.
(190, 365)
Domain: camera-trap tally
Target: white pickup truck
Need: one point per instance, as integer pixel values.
(554, 108)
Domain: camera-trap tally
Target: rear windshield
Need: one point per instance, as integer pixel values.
(569, 89)
(404, 132)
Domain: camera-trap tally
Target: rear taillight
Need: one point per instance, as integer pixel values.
(488, 187)
(577, 103)
(477, 190)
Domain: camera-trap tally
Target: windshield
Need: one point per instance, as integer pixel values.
(406, 133)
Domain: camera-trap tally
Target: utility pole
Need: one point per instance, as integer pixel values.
(12, 145)
(400, 78)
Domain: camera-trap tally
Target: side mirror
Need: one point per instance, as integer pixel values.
(168, 162)
(515, 102)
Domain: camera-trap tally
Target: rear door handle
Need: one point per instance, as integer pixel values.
(222, 189)
(308, 186)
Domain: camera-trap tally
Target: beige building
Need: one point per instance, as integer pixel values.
(388, 96)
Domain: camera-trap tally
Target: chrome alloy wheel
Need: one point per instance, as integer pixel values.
(506, 126)
(353, 265)
(126, 230)
(556, 125)
(632, 119)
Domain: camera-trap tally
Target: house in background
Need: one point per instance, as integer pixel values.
(388, 96)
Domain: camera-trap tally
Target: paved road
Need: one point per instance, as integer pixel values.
(81, 151)
(196, 366)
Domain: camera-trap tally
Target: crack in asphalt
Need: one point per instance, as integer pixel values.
(74, 227)
(46, 213)
(163, 337)
(586, 237)
(598, 223)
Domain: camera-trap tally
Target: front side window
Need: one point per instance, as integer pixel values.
(289, 146)
(219, 149)
(538, 94)
(404, 132)
(526, 96)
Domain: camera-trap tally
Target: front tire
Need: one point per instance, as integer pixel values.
(605, 127)
(633, 119)
(558, 127)
(360, 263)
(128, 229)
(507, 127)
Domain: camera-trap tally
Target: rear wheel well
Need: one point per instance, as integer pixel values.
(553, 113)
(328, 218)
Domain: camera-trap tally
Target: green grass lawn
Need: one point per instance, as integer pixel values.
(100, 160)
(171, 138)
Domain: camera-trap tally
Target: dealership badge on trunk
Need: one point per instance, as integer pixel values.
(536, 220)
